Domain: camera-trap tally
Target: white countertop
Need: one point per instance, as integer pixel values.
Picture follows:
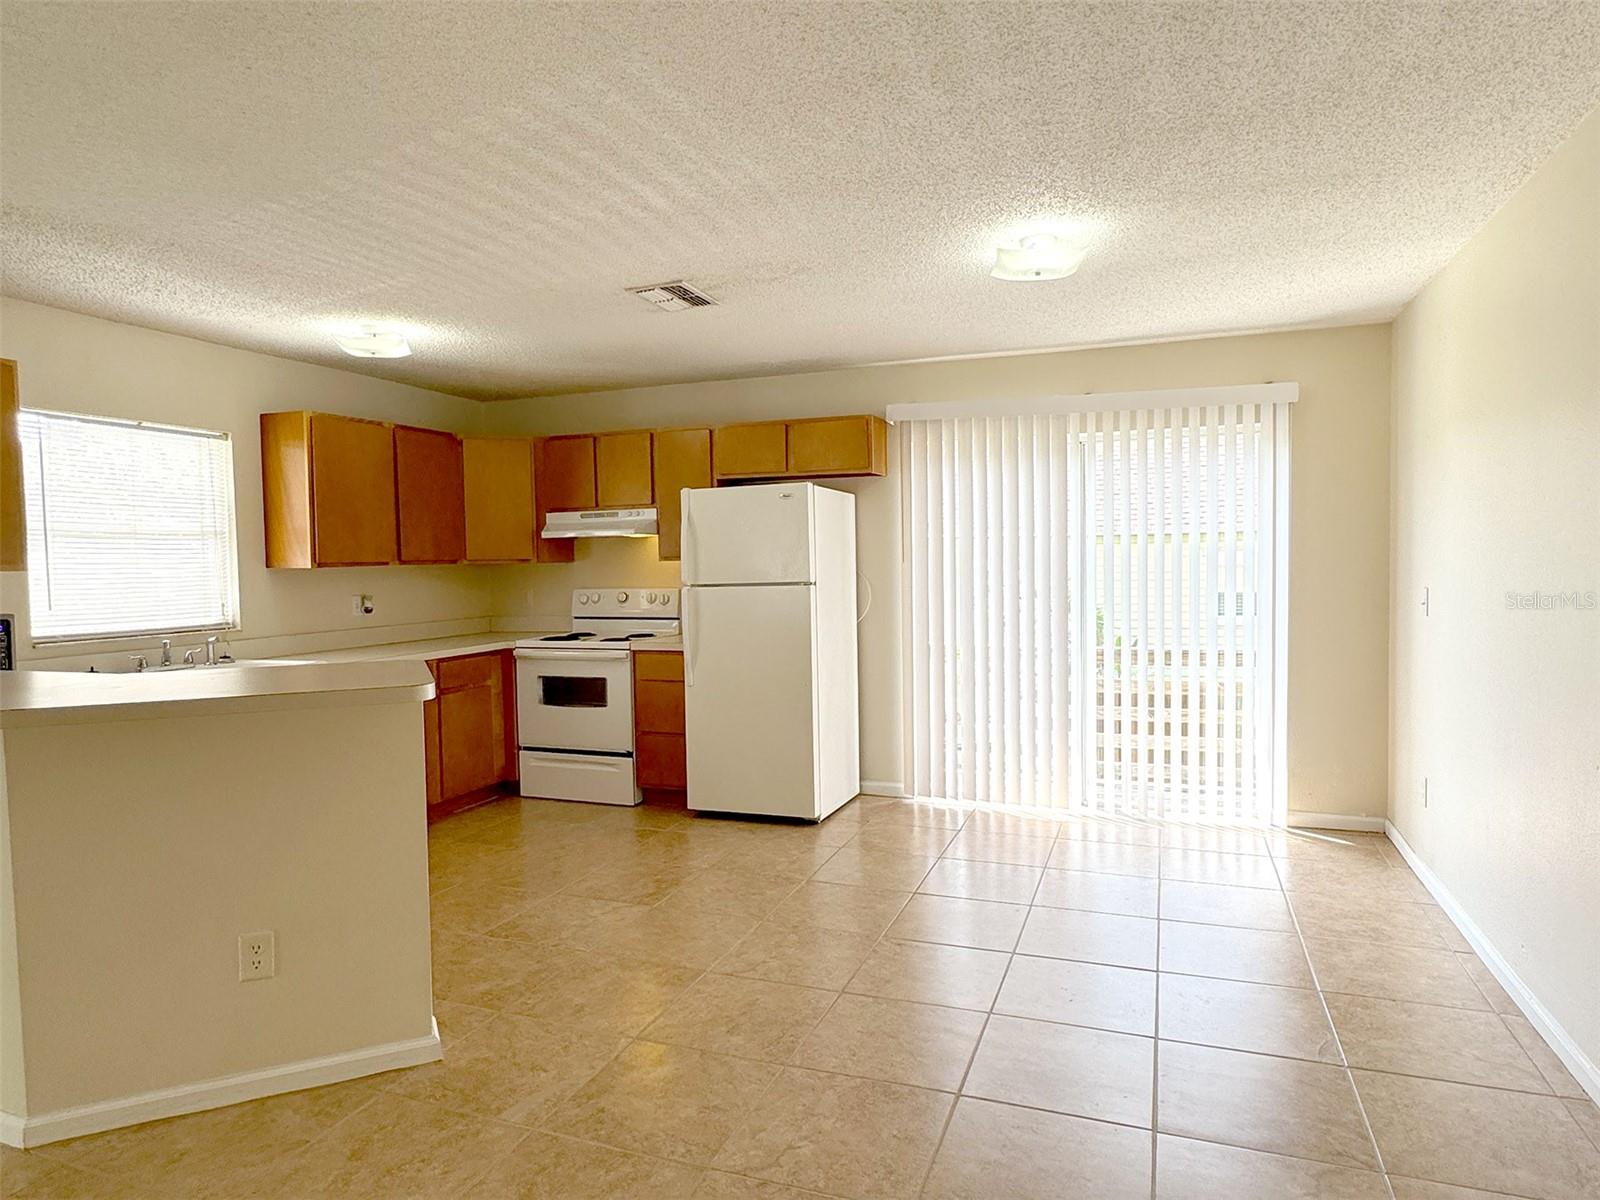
(73, 697)
(360, 674)
(674, 644)
(454, 647)
(449, 647)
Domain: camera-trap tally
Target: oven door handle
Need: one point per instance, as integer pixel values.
(571, 655)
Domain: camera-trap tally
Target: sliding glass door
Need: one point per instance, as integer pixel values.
(1095, 607)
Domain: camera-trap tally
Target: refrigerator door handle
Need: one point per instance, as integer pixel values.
(686, 618)
(687, 547)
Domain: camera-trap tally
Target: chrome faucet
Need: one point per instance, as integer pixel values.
(166, 652)
(140, 662)
(211, 651)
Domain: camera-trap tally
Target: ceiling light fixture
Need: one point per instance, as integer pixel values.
(1038, 256)
(372, 340)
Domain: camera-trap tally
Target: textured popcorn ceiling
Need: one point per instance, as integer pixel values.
(494, 175)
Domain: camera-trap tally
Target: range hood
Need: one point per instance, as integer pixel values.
(601, 522)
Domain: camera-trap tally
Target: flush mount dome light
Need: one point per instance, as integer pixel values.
(1038, 256)
(371, 340)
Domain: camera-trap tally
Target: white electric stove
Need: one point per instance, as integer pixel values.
(575, 695)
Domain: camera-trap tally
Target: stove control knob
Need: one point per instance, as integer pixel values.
(583, 597)
(594, 597)
(649, 597)
(622, 597)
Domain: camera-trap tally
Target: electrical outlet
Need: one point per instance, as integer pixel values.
(258, 956)
(362, 606)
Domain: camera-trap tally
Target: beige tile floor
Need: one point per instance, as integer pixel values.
(910, 1000)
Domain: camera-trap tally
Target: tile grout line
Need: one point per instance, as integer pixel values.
(1155, 1054)
(1366, 1121)
(950, 1116)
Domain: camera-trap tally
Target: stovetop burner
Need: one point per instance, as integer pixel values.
(628, 637)
(567, 637)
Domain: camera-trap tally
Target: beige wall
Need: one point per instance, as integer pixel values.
(1497, 489)
(1339, 585)
(140, 851)
(73, 363)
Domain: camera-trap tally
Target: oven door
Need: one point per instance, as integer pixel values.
(570, 699)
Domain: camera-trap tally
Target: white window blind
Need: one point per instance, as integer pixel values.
(130, 527)
(1095, 609)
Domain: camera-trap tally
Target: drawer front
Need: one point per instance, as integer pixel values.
(659, 761)
(657, 664)
(593, 778)
(750, 451)
(473, 671)
(658, 706)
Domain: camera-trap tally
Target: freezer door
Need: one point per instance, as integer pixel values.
(749, 700)
(756, 534)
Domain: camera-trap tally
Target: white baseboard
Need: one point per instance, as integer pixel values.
(1583, 1068)
(882, 787)
(23, 1132)
(1315, 820)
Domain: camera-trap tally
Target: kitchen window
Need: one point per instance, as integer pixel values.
(130, 527)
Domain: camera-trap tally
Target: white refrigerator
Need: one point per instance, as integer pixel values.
(771, 714)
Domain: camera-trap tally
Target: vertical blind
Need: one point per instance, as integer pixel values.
(1095, 609)
(130, 527)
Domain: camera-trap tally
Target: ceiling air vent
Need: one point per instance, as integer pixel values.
(672, 297)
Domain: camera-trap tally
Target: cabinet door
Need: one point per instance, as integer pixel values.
(352, 491)
(658, 706)
(659, 761)
(430, 750)
(430, 495)
(682, 460)
(13, 533)
(499, 499)
(623, 476)
(469, 756)
(508, 717)
(750, 451)
(566, 473)
(430, 741)
(839, 446)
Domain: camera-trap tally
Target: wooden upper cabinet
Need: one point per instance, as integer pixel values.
(328, 489)
(682, 460)
(809, 449)
(13, 530)
(352, 491)
(751, 451)
(623, 474)
(430, 495)
(566, 473)
(499, 499)
(839, 446)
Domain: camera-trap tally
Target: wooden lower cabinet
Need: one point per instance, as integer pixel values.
(468, 730)
(658, 743)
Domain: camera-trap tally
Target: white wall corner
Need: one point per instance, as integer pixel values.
(1301, 819)
(1583, 1068)
(882, 787)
